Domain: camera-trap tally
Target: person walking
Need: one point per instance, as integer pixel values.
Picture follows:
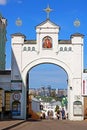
(63, 113)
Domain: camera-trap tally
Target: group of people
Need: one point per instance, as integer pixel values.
(48, 116)
(42, 116)
(61, 114)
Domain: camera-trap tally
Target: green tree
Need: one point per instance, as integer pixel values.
(64, 101)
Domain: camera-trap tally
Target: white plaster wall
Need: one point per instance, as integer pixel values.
(35, 106)
(16, 61)
(71, 62)
(77, 40)
(17, 39)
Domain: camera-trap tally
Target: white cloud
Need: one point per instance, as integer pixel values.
(3, 2)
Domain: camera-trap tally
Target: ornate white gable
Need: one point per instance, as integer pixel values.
(47, 24)
(49, 31)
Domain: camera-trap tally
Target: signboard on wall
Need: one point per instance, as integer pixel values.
(84, 87)
(77, 108)
(16, 86)
(16, 96)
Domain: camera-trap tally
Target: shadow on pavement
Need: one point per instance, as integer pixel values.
(19, 123)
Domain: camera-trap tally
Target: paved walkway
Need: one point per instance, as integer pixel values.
(43, 125)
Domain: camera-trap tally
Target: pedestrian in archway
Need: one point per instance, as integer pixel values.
(58, 114)
(63, 113)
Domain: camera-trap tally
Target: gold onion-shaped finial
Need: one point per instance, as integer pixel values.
(18, 22)
(77, 23)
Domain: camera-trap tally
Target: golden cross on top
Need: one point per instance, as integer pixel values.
(48, 10)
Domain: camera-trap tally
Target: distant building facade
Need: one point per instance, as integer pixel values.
(62, 92)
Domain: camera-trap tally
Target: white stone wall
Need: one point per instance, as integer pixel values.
(70, 61)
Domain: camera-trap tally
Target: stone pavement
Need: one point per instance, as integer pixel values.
(43, 125)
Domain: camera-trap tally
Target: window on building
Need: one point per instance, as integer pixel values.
(24, 49)
(33, 48)
(65, 48)
(16, 108)
(61, 48)
(70, 48)
(29, 48)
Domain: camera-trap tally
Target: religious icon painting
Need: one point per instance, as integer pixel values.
(47, 42)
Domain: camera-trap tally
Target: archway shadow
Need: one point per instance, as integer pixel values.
(19, 123)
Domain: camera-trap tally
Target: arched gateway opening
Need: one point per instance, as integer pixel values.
(38, 62)
(48, 88)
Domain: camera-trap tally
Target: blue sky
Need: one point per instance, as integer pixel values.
(45, 75)
(64, 13)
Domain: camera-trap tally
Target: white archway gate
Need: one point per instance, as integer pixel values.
(47, 48)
